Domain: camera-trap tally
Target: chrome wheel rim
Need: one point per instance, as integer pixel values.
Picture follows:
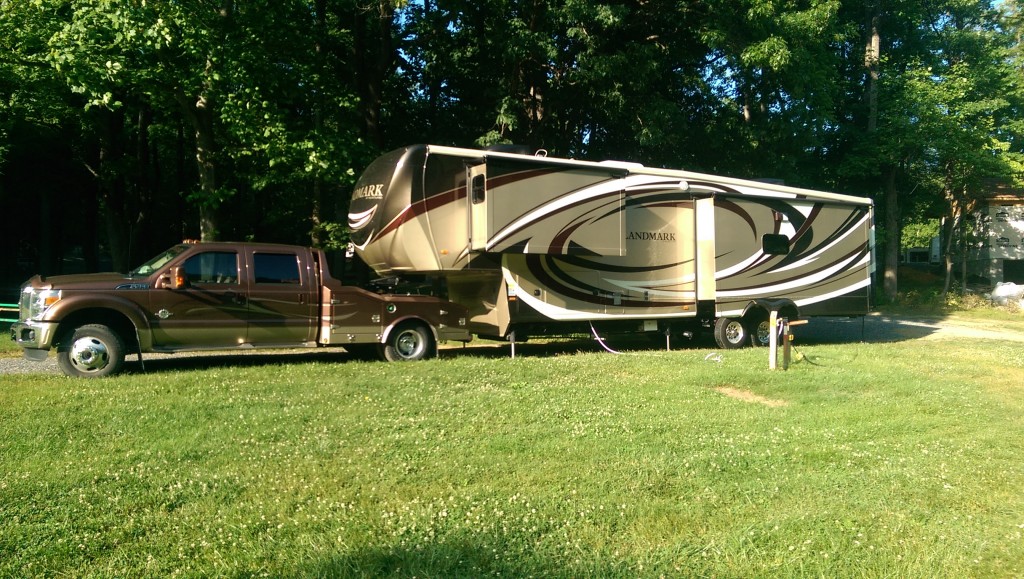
(408, 344)
(89, 354)
(764, 333)
(734, 332)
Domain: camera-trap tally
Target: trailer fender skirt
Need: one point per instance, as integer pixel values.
(772, 305)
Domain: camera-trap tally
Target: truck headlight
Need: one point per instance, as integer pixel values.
(40, 301)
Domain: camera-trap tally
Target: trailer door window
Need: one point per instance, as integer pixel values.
(479, 192)
(775, 244)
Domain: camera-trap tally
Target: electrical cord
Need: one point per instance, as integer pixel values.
(599, 340)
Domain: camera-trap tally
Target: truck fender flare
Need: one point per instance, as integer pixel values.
(68, 307)
(399, 321)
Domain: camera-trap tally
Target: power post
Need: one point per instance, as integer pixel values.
(780, 328)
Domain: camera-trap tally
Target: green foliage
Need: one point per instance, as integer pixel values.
(333, 236)
(917, 235)
(283, 103)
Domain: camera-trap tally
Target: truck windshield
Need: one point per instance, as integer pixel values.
(158, 261)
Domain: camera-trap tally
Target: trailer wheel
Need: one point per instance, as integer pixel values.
(91, 351)
(731, 333)
(761, 333)
(408, 342)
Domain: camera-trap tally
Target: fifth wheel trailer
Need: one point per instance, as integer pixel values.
(535, 245)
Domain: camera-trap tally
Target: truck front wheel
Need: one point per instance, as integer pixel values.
(91, 351)
(409, 342)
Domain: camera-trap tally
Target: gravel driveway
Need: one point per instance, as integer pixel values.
(872, 328)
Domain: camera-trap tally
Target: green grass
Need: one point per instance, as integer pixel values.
(8, 349)
(897, 459)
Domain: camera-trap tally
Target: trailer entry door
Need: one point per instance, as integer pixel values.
(479, 217)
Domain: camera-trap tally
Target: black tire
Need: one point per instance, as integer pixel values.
(731, 333)
(409, 342)
(760, 330)
(91, 351)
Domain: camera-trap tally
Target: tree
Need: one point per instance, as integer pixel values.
(252, 119)
(39, 157)
(929, 79)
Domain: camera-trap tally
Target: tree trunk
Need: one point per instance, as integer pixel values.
(954, 224)
(374, 55)
(872, 57)
(112, 186)
(200, 117)
(316, 219)
(892, 236)
(963, 255)
(145, 184)
(960, 206)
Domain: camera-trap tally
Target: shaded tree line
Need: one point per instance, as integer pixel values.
(129, 125)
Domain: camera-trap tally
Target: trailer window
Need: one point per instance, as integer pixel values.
(775, 244)
(479, 191)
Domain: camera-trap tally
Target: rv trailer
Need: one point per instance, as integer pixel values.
(535, 245)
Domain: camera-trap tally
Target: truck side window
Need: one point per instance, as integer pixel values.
(775, 244)
(212, 267)
(276, 268)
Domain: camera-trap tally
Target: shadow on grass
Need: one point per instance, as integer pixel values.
(819, 331)
(205, 360)
(871, 329)
(225, 359)
(464, 559)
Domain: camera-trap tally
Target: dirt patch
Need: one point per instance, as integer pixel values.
(747, 396)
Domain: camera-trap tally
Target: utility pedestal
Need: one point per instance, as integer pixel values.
(780, 331)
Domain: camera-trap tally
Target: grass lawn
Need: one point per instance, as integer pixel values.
(902, 459)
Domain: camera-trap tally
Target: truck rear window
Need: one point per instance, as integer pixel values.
(276, 268)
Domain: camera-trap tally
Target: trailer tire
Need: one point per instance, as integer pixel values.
(91, 351)
(731, 333)
(409, 342)
(760, 330)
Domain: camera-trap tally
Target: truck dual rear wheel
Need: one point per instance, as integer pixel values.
(409, 342)
(91, 351)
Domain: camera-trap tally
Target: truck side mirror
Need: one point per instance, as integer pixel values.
(179, 279)
(174, 279)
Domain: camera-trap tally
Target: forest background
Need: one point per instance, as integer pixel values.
(128, 125)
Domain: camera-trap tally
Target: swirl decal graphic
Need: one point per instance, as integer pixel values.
(359, 220)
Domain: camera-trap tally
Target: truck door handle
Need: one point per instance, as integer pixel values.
(234, 297)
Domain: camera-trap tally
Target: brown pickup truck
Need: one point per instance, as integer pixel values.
(200, 296)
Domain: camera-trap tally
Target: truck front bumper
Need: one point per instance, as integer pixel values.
(34, 336)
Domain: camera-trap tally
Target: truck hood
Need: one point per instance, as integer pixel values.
(87, 281)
